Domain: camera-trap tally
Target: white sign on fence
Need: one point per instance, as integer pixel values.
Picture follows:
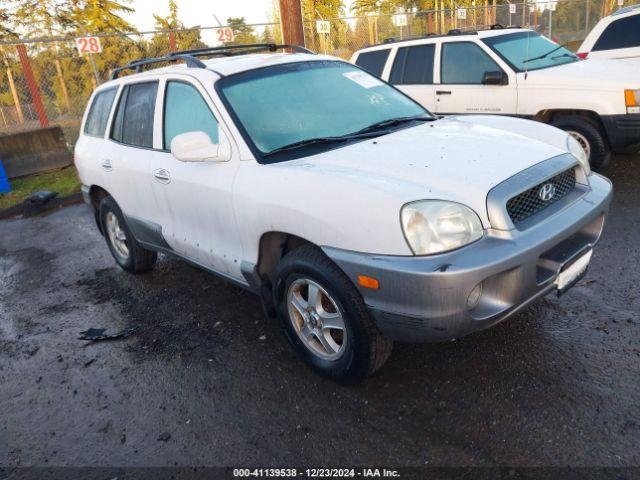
(552, 6)
(512, 8)
(224, 35)
(462, 14)
(323, 26)
(620, 3)
(400, 20)
(88, 45)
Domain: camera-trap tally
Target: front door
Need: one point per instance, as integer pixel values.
(195, 204)
(463, 66)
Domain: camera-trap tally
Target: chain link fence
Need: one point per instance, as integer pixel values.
(48, 82)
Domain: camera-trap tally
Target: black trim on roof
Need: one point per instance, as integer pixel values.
(189, 56)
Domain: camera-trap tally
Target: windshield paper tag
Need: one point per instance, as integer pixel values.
(363, 79)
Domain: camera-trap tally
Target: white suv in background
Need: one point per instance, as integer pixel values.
(358, 216)
(615, 36)
(517, 72)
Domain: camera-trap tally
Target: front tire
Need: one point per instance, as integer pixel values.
(124, 248)
(325, 317)
(589, 136)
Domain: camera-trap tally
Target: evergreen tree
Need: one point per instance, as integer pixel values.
(185, 40)
(5, 25)
(242, 32)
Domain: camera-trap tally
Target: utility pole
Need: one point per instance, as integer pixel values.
(291, 21)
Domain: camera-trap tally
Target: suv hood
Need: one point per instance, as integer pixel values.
(457, 159)
(592, 74)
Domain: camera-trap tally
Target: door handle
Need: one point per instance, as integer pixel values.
(443, 92)
(106, 165)
(162, 175)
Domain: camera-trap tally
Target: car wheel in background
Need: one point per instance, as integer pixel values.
(123, 246)
(589, 136)
(325, 317)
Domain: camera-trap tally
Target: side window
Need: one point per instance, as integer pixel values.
(413, 65)
(98, 115)
(373, 62)
(133, 123)
(623, 33)
(186, 111)
(465, 63)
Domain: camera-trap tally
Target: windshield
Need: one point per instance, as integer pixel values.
(529, 51)
(292, 106)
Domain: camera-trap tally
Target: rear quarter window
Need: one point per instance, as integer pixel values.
(623, 33)
(373, 62)
(98, 115)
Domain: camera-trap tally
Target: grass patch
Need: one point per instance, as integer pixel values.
(64, 181)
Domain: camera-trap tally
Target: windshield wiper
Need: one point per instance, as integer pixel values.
(374, 130)
(568, 55)
(544, 55)
(320, 140)
(393, 122)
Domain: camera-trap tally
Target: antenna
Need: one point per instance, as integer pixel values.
(526, 56)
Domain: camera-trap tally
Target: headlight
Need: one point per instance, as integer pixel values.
(436, 226)
(632, 101)
(577, 151)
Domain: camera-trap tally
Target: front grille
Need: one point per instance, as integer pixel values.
(538, 198)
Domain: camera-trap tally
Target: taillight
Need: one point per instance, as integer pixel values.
(582, 55)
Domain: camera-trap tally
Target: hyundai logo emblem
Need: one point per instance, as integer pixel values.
(547, 192)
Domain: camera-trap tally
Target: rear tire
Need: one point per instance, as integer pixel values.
(125, 249)
(586, 131)
(352, 350)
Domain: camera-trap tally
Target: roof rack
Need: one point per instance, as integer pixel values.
(406, 38)
(229, 50)
(409, 38)
(189, 56)
(137, 65)
(628, 9)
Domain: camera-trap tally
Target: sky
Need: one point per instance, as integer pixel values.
(200, 12)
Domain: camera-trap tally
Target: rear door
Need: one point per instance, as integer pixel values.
(412, 71)
(621, 39)
(129, 149)
(462, 69)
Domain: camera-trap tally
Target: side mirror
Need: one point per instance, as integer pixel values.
(496, 77)
(198, 147)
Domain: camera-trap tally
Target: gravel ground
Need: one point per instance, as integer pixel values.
(207, 380)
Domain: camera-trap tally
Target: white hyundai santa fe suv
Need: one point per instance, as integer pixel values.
(515, 71)
(358, 217)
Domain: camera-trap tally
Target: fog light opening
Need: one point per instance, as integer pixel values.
(474, 297)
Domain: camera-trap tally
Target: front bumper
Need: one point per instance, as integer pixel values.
(422, 299)
(623, 131)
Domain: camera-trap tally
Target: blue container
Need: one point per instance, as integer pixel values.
(5, 187)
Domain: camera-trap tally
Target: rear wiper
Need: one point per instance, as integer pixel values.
(320, 140)
(395, 121)
(544, 55)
